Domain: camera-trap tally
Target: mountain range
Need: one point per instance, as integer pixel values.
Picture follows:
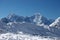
(33, 25)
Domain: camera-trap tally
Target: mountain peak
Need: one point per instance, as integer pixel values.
(39, 19)
(38, 14)
(11, 15)
(58, 19)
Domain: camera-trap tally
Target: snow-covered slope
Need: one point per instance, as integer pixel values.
(56, 23)
(20, 36)
(55, 26)
(2, 27)
(28, 28)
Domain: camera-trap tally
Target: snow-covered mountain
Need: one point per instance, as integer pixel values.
(15, 27)
(33, 25)
(35, 19)
(14, 17)
(39, 19)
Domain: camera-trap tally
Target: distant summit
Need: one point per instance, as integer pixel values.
(39, 19)
(35, 19)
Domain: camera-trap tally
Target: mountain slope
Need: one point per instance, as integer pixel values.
(56, 23)
(27, 28)
(55, 26)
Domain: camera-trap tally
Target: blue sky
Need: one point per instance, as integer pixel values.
(47, 8)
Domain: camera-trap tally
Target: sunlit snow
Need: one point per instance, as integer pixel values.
(21, 36)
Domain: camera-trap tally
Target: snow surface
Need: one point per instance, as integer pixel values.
(21, 36)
